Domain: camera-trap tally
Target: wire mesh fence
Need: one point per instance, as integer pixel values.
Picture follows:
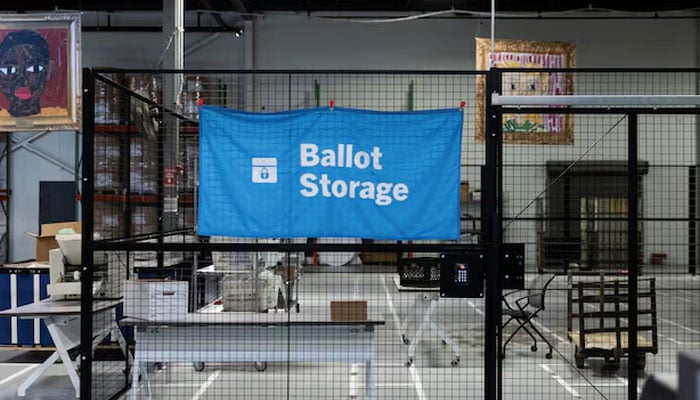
(571, 206)
(255, 318)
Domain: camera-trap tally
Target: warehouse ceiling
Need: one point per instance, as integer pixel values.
(309, 6)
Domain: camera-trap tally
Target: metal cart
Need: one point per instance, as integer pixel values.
(597, 320)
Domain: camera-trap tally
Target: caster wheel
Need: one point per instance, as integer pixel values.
(580, 361)
(533, 348)
(298, 308)
(641, 362)
(198, 366)
(455, 362)
(261, 366)
(444, 343)
(548, 356)
(612, 367)
(502, 355)
(409, 362)
(405, 339)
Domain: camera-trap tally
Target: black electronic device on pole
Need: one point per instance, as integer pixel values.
(462, 274)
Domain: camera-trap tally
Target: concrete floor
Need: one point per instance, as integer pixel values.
(527, 375)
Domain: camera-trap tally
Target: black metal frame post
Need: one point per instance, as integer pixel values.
(632, 252)
(494, 133)
(88, 186)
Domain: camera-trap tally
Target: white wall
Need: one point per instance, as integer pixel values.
(449, 44)
(143, 50)
(27, 170)
(286, 42)
(296, 42)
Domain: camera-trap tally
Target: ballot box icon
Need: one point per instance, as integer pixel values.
(264, 170)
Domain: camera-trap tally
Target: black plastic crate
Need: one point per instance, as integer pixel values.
(419, 272)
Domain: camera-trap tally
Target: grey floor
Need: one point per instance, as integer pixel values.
(527, 374)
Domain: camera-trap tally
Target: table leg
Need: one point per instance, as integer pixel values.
(424, 323)
(22, 390)
(117, 333)
(413, 315)
(147, 380)
(440, 331)
(370, 384)
(62, 351)
(370, 373)
(134, 379)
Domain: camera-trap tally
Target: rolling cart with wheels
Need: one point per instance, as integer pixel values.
(597, 320)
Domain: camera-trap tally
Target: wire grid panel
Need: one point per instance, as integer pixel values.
(569, 204)
(670, 235)
(257, 324)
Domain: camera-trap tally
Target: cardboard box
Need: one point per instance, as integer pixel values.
(155, 300)
(464, 194)
(355, 311)
(371, 258)
(46, 239)
(288, 274)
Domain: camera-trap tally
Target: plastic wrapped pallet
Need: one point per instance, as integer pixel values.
(107, 163)
(143, 176)
(144, 219)
(109, 220)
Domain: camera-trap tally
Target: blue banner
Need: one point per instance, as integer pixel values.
(326, 172)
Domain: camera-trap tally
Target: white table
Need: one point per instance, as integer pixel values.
(252, 337)
(62, 318)
(420, 319)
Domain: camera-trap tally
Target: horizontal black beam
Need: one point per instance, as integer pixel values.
(112, 28)
(284, 247)
(253, 6)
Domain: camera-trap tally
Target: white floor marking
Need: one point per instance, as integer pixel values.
(677, 297)
(476, 310)
(174, 384)
(205, 385)
(690, 292)
(397, 324)
(549, 331)
(670, 339)
(691, 330)
(392, 309)
(560, 381)
(417, 383)
(626, 383)
(667, 321)
(544, 328)
(390, 385)
(17, 374)
(353, 380)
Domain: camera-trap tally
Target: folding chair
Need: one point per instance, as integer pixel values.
(524, 309)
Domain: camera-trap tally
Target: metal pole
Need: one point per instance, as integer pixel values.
(493, 32)
(174, 11)
(8, 194)
(694, 226)
(492, 362)
(632, 252)
(88, 186)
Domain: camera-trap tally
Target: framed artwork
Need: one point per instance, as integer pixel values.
(40, 72)
(547, 128)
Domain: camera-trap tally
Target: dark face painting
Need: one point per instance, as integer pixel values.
(24, 67)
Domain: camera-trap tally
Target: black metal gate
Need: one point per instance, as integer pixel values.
(600, 200)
